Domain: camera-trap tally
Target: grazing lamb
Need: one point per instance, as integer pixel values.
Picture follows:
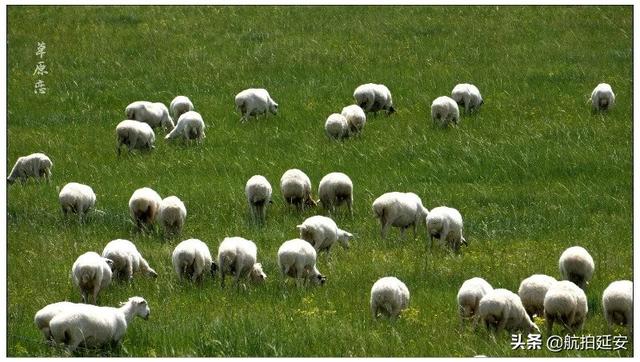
(93, 326)
(566, 304)
(532, 291)
(91, 273)
(401, 210)
(258, 191)
(36, 165)
(180, 105)
(444, 110)
(135, 135)
(467, 95)
(469, 296)
(576, 265)
(77, 198)
(297, 259)
(126, 260)
(237, 256)
(617, 304)
(445, 223)
(144, 205)
(295, 186)
(356, 118)
(44, 316)
(191, 259)
(336, 126)
(334, 190)
(373, 98)
(153, 114)
(172, 214)
(254, 102)
(190, 126)
(322, 233)
(602, 97)
(502, 309)
(389, 297)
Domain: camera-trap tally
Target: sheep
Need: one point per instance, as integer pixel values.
(126, 259)
(565, 303)
(336, 126)
(576, 265)
(373, 98)
(445, 223)
(135, 135)
(467, 95)
(144, 205)
(444, 110)
(322, 232)
(617, 304)
(154, 114)
(258, 191)
(44, 316)
(334, 190)
(399, 209)
(469, 296)
(237, 256)
(389, 297)
(297, 259)
(36, 165)
(191, 258)
(602, 97)
(254, 102)
(91, 273)
(190, 126)
(180, 105)
(532, 291)
(94, 326)
(76, 198)
(502, 309)
(172, 214)
(295, 186)
(356, 118)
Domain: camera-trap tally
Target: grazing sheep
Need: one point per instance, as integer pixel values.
(334, 190)
(502, 309)
(237, 256)
(389, 297)
(399, 209)
(322, 233)
(469, 296)
(356, 118)
(191, 259)
(566, 304)
(444, 110)
(295, 186)
(172, 214)
(576, 265)
(77, 198)
(144, 205)
(602, 97)
(190, 126)
(153, 114)
(93, 326)
(44, 316)
(258, 191)
(617, 304)
(91, 273)
(36, 165)
(373, 98)
(445, 223)
(254, 102)
(336, 126)
(297, 259)
(135, 135)
(467, 95)
(532, 291)
(126, 260)
(180, 105)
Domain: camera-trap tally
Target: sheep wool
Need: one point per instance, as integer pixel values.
(336, 126)
(502, 309)
(467, 95)
(172, 214)
(576, 265)
(399, 209)
(190, 126)
(295, 186)
(297, 259)
(126, 259)
(444, 111)
(134, 135)
(322, 232)
(91, 273)
(356, 118)
(532, 291)
(566, 304)
(617, 304)
(76, 198)
(144, 205)
(191, 259)
(445, 224)
(258, 192)
(336, 189)
(389, 297)
(237, 256)
(602, 97)
(253, 102)
(154, 114)
(35, 165)
(469, 296)
(180, 105)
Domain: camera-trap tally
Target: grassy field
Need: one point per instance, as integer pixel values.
(532, 173)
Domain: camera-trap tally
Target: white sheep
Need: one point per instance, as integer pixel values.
(126, 259)
(467, 95)
(154, 114)
(191, 259)
(297, 259)
(295, 186)
(602, 97)
(144, 205)
(532, 291)
(373, 98)
(93, 326)
(322, 233)
(190, 126)
(444, 110)
(502, 309)
(617, 304)
(258, 192)
(336, 126)
(44, 315)
(576, 265)
(254, 102)
(356, 118)
(91, 273)
(76, 198)
(469, 296)
(180, 105)
(334, 190)
(237, 256)
(445, 224)
(399, 209)
(135, 135)
(566, 304)
(172, 214)
(389, 297)
(36, 165)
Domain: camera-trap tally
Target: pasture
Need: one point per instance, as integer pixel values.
(533, 172)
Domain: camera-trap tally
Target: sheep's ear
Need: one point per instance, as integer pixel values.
(109, 262)
(464, 241)
(258, 265)
(349, 235)
(300, 227)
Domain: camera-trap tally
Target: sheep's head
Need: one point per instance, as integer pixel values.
(109, 263)
(305, 234)
(139, 306)
(391, 110)
(167, 123)
(214, 269)
(257, 275)
(344, 237)
(273, 108)
(151, 273)
(311, 202)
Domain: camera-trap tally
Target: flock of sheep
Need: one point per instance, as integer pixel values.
(76, 324)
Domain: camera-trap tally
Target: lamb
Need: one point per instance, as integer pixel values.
(336, 126)
(237, 256)
(154, 114)
(77, 198)
(172, 214)
(191, 258)
(190, 126)
(322, 232)
(502, 309)
(444, 110)
(36, 165)
(91, 273)
(389, 297)
(356, 118)
(373, 98)
(135, 135)
(469, 296)
(297, 259)
(126, 259)
(399, 209)
(180, 105)
(295, 186)
(445, 223)
(565, 303)
(467, 95)
(258, 191)
(334, 190)
(532, 291)
(602, 97)
(44, 316)
(576, 265)
(94, 326)
(254, 102)
(617, 304)
(144, 205)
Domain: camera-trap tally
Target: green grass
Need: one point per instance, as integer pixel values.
(532, 173)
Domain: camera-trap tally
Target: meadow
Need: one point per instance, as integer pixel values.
(533, 172)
